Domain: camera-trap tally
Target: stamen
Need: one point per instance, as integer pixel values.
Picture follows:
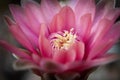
(63, 41)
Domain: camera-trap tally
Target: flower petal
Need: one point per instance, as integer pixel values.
(96, 62)
(101, 29)
(14, 50)
(85, 26)
(84, 7)
(50, 8)
(51, 66)
(106, 4)
(105, 59)
(105, 9)
(44, 43)
(34, 14)
(18, 34)
(111, 37)
(36, 58)
(57, 24)
(80, 50)
(64, 20)
(101, 47)
(21, 20)
(64, 56)
(23, 65)
(68, 17)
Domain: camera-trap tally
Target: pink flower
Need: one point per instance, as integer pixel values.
(57, 38)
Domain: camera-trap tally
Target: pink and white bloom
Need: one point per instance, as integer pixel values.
(56, 38)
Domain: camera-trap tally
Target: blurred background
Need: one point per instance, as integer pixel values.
(106, 72)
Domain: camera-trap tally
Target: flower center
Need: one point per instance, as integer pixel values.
(64, 40)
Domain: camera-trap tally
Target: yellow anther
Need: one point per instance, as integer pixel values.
(63, 41)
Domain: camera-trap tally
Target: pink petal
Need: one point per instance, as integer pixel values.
(36, 58)
(44, 43)
(85, 26)
(20, 18)
(108, 4)
(64, 56)
(112, 36)
(97, 62)
(64, 20)
(101, 29)
(105, 9)
(57, 24)
(85, 7)
(80, 50)
(94, 63)
(113, 14)
(97, 34)
(102, 46)
(14, 50)
(68, 17)
(50, 8)
(18, 34)
(34, 15)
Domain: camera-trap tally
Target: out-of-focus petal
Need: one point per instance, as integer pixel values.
(14, 50)
(99, 48)
(57, 24)
(44, 44)
(102, 28)
(51, 66)
(106, 42)
(85, 7)
(34, 15)
(19, 16)
(108, 4)
(68, 17)
(64, 20)
(113, 14)
(50, 8)
(80, 50)
(36, 58)
(21, 20)
(18, 34)
(96, 62)
(111, 37)
(85, 26)
(64, 56)
(105, 9)
(96, 36)
(23, 65)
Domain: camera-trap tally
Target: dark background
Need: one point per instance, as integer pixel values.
(107, 72)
